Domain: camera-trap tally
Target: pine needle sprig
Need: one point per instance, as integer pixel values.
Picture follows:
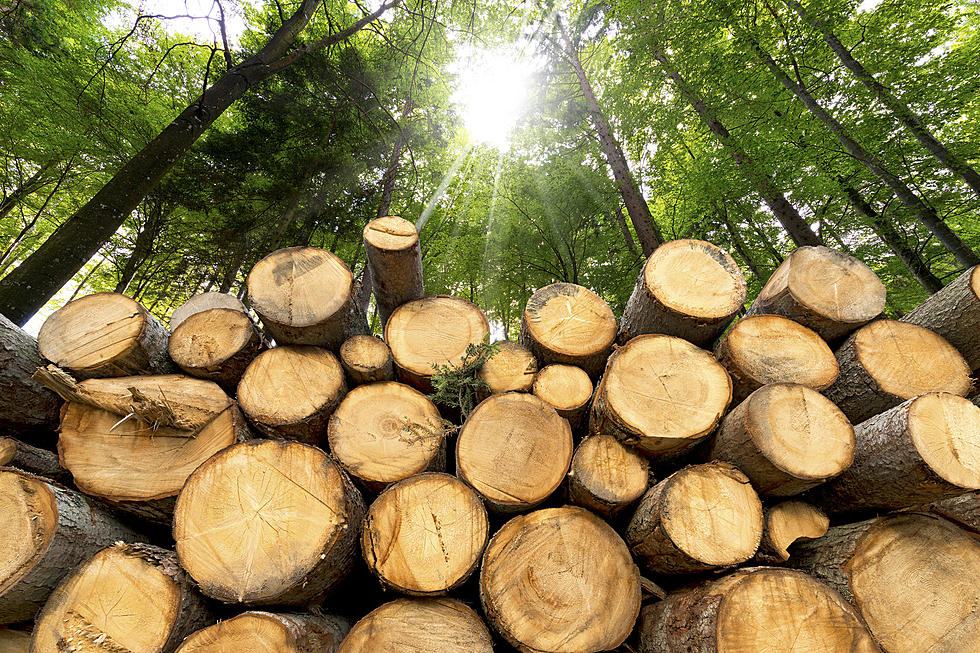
(458, 385)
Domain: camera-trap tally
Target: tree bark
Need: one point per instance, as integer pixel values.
(26, 406)
(954, 313)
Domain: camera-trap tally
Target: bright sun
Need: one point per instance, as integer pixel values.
(491, 92)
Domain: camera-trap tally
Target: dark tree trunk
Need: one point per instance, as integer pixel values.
(737, 241)
(19, 194)
(143, 247)
(627, 236)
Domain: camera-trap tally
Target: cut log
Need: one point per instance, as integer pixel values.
(385, 432)
(660, 394)
(687, 288)
(606, 476)
(964, 509)
(269, 633)
(290, 392)
(751, 610)
(425, 535)
(129, 463)
(567, 388)
(366, 359)
(27, 408)
(431, 332)
(765, 349)
(912, 577)
(105, 334)
(887, 362)
(443, 625)
(514, 450)
(785, 523)
(305, 296)
(584, 584)
(512, 368)
(954, 313)
(786, 438)
(393, 254)
(919, 451)
(14, 641)
(40, 462)
(47, 531)
(268, 522)
(128, 597)
(699, 518)
(823, 289)
(566, 323)
(204, 302)
(216, 344)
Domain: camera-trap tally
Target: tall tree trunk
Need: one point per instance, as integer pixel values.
(924, 213)
(28, 287)
(794, 224)
(737, 241)
(143, 246)
(903, 113)
(627, 236)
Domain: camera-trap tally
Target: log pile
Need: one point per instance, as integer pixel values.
(301, 488)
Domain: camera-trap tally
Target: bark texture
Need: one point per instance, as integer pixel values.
(27, 408)
(37, 461)
(954, 313)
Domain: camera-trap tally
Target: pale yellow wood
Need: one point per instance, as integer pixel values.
(8, 448)
(30, 519)
(204, 302)
(789, 521)
(91, 330)
(419, 626)
(695, 278)
(566, 387)
(299, 286)
(391, 233)
(945, 430)
(513, 367)
(209, 338)
(266, 632)
(366, 359)
(606, 476)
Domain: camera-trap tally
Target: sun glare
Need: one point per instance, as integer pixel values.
(492, 88)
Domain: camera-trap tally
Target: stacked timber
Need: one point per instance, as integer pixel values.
(266, 631)
(954, 314)
(566, 388)
(513, 367)
(395, 263)
(27, 408)
(366, 359)
(215, 344)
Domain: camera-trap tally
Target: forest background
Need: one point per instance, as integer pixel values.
(160, 149)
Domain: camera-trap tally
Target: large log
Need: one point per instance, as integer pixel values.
(216, 344)
(823, 289)
(567, 388)
(27, 408)
(954, 313)
(395, 259)
(204, 302)
(566, 323)
(366, 359)
(560, 579)
(105, 334)
(911, 576)
(513, 367)
(437, 625)
(269, 632)
(919, 451)
(305, 296)
(268, 522)
(290, 392)
(424, 536)
(660, 394)
(432, 332)
(606, 476)
(385, 432)
(785, 523)
(786, 438)
(687, 288)
(128, 597)
(765, 349)
(514, 450)
(699, 518)
(761, 609)
(888, 362)
(37, 461)
(47, 531)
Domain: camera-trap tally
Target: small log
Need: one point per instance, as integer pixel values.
(40, 462)
(366, 359)
(443, 625)
(425, 535)
(204, 302)
(761, 609)
(823, 289)
(566, 323)
(919, 451)
(105, 334)
(606, 476)
(291, 391)
(265, 631)
(911, 576)
(954, 313)
(514, 450)
(27, 408)
(216, 344)
(305, 296)
(690, 289)
(512, 368)
(585, 585)
(47, 531)
(433, 332)
(268, 522)
(568, 389)
(785, 523)
(963, 509)
(395, 259)
(765, 349)
(660, 394)
(385, 432)
(127, 597)
(786, 438)
(699, 518)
